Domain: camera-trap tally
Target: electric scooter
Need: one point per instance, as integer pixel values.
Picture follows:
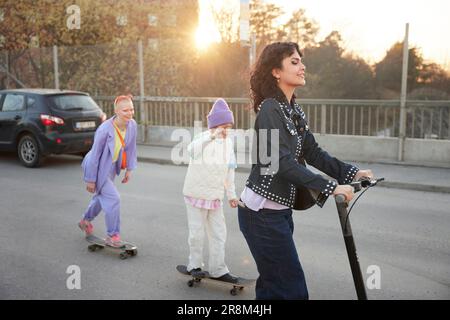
(342, 205)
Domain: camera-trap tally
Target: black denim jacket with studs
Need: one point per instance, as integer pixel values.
(295, 140)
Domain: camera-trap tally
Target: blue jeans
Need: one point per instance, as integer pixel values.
(269, 236)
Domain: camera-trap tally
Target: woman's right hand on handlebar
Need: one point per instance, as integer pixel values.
(345, 190)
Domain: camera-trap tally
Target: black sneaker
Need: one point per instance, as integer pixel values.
(197, 272)
(227, 277)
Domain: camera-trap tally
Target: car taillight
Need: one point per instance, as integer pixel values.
(103, 116)
(50, 120)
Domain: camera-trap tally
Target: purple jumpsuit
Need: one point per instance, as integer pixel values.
(98, 167)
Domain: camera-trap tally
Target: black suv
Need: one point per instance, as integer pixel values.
(40, 122)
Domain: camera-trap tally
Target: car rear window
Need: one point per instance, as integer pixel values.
(13, 102)
(73, 102)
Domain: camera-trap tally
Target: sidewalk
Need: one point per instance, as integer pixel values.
(401, 176)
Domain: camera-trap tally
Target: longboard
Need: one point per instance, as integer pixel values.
(127, 250)
(236, 287)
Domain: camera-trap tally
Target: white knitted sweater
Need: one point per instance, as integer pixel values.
(211, 168)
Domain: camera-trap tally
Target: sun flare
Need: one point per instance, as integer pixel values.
(205, 36)
(206, 32)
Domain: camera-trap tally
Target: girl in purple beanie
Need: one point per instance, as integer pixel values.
(210, 173)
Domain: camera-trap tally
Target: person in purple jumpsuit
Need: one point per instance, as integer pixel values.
(114, 149)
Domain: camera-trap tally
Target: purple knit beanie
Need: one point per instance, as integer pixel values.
(220, 114)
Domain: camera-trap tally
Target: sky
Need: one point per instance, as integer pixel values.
(368, 28)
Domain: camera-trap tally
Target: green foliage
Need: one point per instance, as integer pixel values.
(102, 56)
(389, 70)
(331, 74)
(262, 23)
(222, 71)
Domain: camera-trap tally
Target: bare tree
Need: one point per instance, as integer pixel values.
(301, 29)
(262, 23)
(226, 20)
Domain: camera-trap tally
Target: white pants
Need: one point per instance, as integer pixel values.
(213, 221)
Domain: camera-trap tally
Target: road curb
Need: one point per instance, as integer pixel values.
(386, 184)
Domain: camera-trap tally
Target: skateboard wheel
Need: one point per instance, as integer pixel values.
(92, 248)
(132, 252)
(233, 292)
(190, 283)
(123, 255)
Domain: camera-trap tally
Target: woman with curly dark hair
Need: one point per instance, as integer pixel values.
(279, 180)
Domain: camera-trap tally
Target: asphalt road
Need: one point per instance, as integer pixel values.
(404, 233)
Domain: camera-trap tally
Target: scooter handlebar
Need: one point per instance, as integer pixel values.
(357, 186)
(340, 198)
(365, 183)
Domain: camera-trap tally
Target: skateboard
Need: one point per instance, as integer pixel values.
(236, 287)
(127, 250)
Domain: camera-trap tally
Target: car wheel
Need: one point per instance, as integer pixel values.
(28, 152)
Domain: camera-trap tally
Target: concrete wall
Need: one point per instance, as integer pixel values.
(360, 148)
(427, 150)
(345, 147)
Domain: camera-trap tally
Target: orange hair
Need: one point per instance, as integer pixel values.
(121, 98)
